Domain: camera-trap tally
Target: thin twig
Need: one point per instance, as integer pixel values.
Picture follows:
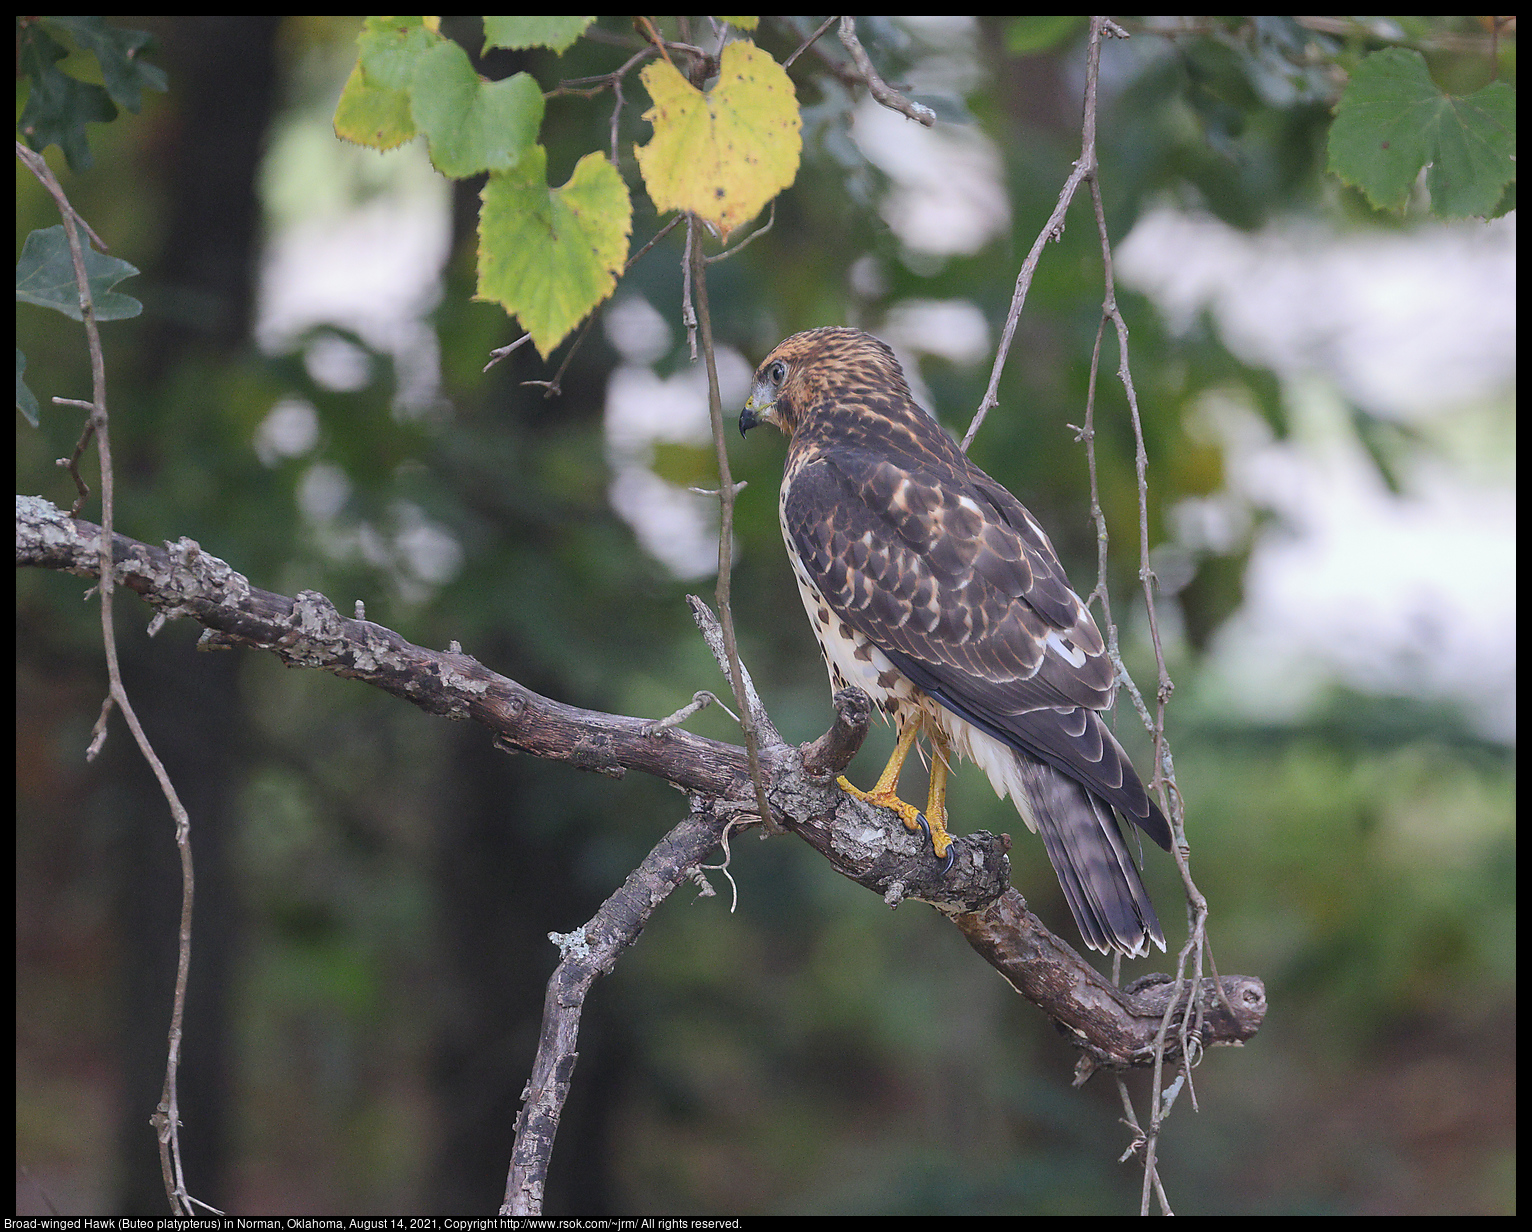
(748, 724)
(589, 87)
(550, 388)
(616, 116)
(658, 236)
(653, 35)
(701, 699)
(1189, 957)
(810, 41)
(72, 462)
(754, 235)
(1052, 230)
(712, 633)
(880, 89)
(688, 314)
(506, 352)
(167, 1116)
(33, 159)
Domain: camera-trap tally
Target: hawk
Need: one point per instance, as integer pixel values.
(933, 589)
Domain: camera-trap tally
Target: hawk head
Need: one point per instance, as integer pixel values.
(823, 371)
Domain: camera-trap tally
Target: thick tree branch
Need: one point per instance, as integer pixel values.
(865, 844)
(592, 950)
(1115, 1027)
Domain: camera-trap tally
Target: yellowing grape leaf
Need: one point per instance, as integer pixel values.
(723, 154)
(374, 108)
(551, 255)
(371, 115)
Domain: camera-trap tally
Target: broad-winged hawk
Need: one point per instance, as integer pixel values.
(933, 589)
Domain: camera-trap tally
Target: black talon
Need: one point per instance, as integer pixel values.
(925, 828)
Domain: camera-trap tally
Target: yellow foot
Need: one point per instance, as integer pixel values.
(935, 829)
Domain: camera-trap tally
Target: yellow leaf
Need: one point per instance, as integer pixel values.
(723, 154)
(370, 114)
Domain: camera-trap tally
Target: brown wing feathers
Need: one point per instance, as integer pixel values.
(958, 613)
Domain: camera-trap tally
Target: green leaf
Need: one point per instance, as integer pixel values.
(390, 47)
(1476, 158)
(45, 277)
(1393, 120)
(472, 125)
(26, 400)
(516, 33)
(551, 255)
(117, 51)
(58, 106)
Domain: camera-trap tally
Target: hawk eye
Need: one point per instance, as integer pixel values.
(777, 373)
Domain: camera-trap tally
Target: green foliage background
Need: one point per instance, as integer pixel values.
(377, 886)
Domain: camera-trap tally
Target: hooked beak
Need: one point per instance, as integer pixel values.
(748, 418)
(758, 406)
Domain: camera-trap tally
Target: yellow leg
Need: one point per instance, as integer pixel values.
(885, 792)
(936, 802)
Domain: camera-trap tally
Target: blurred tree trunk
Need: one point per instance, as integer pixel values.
(223, 82)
